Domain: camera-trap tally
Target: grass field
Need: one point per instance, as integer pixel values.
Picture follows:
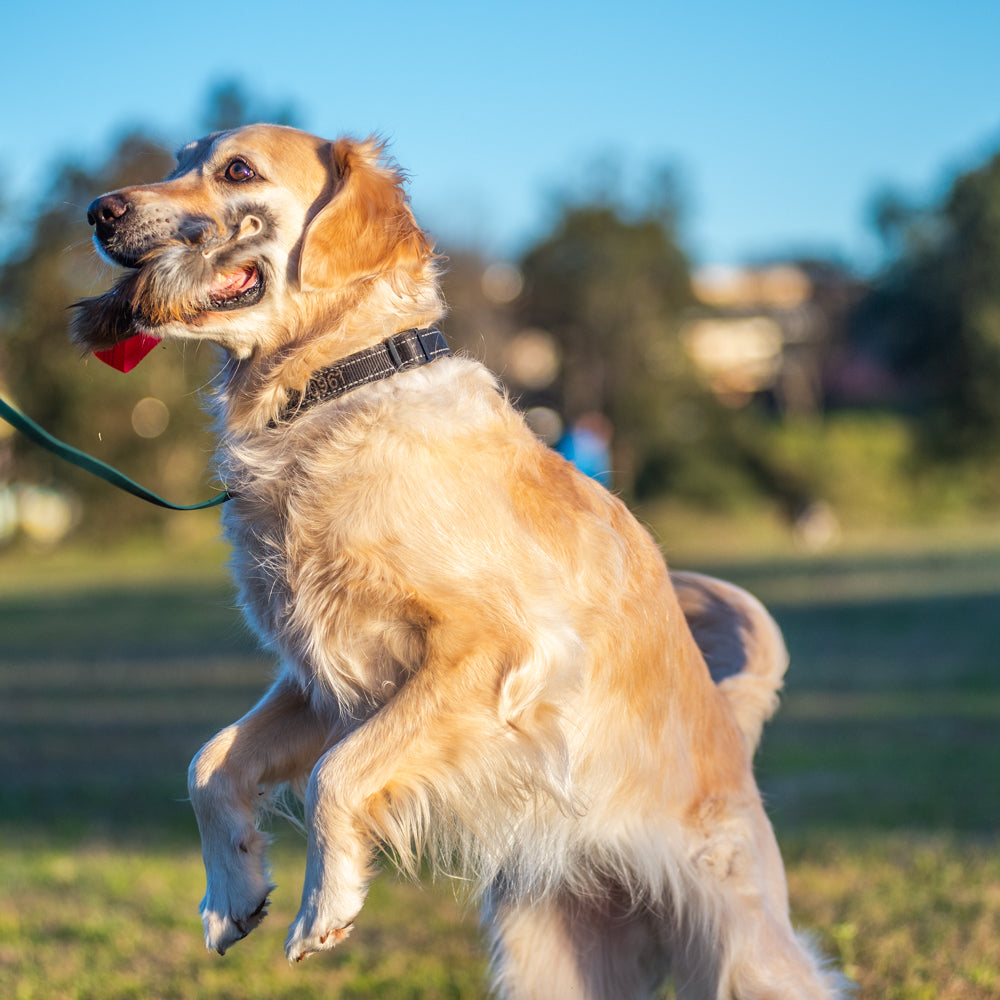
(881, 771)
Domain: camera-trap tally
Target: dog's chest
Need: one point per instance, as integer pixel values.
(305, 555)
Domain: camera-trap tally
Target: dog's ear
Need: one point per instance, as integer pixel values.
(366, 227)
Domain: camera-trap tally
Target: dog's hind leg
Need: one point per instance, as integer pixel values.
(571, 948)
(277, 741)
(755, 956)
(735, 940)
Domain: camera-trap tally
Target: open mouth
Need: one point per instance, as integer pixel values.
(236, 289)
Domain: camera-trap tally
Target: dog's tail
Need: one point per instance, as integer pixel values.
(742, 645)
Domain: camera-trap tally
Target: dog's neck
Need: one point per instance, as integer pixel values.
(318, 333)
(409, 349)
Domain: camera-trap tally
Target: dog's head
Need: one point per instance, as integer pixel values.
(257, 234)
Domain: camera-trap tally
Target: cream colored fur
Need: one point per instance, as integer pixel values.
(484, 659)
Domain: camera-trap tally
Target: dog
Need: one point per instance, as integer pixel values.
(484, 660)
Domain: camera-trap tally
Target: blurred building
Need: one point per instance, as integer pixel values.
(778, 331)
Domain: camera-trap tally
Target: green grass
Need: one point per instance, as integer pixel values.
(880, 773)
(892, 706)
(107, 920)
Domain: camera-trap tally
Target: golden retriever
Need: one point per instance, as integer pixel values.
(484, 659)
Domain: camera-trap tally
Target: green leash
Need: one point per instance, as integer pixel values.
(94, 466)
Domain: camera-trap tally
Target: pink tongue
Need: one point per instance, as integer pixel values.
(128, 353)
(226, 286)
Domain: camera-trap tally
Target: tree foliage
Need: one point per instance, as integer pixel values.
(79, 400)
(611, 283)
(934, 316)
(230, 105)
(72, 397)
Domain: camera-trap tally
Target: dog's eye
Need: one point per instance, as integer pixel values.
(239, 171)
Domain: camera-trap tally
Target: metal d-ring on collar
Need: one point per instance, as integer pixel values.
(409, 349)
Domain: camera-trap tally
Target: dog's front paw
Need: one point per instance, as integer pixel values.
(305, 938)
(333, 893)
(224, 927)
(236, 896)
(324, 920)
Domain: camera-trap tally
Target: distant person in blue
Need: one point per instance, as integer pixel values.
(587, 444)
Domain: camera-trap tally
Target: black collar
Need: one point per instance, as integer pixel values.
(409, 349)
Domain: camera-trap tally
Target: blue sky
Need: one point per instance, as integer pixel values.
(782, 118)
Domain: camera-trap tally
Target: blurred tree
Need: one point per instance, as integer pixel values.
(934, 315)
(82, 401)
(229, 105)
(79, 400)
(476, 323)
(610, 284)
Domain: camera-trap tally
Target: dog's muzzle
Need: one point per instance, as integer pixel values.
(116, 230)
(105, 211)
(211, 260)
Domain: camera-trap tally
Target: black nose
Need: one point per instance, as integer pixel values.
(106, 210)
